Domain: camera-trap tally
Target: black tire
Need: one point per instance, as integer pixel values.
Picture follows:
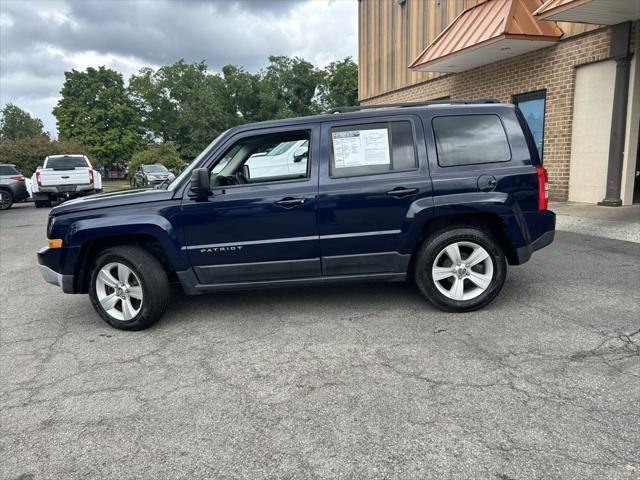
(38, 203)
(47, 203)
(429, 253)
(153, 280)
(6, 199)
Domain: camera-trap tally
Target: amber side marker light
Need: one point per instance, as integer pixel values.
(55, 243)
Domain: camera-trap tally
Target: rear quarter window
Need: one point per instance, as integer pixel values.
(470, 140)
(8, 170)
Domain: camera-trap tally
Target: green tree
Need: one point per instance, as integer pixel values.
(16, 123)
(339, 87)
(29, 152)
(289, 87)
(243, 95)
(164, 153)
(96, 111)
(182, 103)
(188, 105)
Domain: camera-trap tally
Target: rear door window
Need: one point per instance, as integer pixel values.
(470, 139)
(372, 148)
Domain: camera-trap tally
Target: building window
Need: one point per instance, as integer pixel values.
(470, 139)
(532, 107)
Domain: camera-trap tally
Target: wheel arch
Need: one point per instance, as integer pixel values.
(488, 222)
(91, 236)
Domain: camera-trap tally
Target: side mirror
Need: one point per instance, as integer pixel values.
(200, 183)
(300, 153)
(246, 171)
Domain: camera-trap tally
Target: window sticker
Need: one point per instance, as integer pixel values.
(360, 148)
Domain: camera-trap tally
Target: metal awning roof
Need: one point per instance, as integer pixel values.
(599, 12)
(485, 33)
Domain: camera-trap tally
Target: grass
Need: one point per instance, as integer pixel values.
(113, 185)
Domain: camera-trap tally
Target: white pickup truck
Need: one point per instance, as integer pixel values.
(64, 176)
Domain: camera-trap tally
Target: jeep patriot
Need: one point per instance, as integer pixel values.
(444, 193)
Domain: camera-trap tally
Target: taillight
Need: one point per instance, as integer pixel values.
(90, 176)
(18, 178)
(38, 181)
(543, 188)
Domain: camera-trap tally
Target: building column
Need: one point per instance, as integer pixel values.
(619, 51)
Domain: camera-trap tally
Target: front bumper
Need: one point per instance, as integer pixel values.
(48, 259)
(154, 182)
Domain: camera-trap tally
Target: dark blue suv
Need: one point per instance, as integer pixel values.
(446, 194)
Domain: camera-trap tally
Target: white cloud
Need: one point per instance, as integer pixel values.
(41, 39)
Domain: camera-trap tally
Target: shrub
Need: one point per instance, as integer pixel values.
(163, 153)
(28, 153)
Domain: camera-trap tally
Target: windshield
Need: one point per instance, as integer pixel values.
(66, 163)
(154, 168)
(187, 171)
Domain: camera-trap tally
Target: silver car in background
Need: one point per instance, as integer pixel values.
(12, 186)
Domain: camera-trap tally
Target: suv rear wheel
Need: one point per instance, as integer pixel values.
(6, 200)
(129, 288)
(461, 269)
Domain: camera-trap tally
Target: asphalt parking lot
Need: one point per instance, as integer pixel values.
(359, 381)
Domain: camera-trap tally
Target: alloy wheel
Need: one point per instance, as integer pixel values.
(5, 200)
(462, 270)
(119, 291)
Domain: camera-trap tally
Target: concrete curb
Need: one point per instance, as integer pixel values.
(627, 231)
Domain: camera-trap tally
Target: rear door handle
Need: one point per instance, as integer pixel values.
(402, 192)
(290, 202)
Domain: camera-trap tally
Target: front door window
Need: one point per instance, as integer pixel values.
(264, 158)
(532, 107)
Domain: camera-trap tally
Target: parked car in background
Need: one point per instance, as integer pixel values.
(12, 186)
(285, 159)
(151, 175)
(64, 176)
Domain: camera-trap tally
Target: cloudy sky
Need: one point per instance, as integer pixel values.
(41, 39)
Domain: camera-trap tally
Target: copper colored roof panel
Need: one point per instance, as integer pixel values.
(598, 12)
(556, 5)
(486, 23)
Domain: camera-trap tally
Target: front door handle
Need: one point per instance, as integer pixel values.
(290, 202)
(402, 192)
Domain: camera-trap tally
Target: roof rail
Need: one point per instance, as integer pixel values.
(357, 108)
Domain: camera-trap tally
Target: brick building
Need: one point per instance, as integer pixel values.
(577, 81)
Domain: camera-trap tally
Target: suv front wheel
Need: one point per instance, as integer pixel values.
(461, 269)
(129, 288)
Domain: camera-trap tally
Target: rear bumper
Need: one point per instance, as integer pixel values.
(64, 190)
(18, 191)
(544, 240)
(542, 231)
(49, 264)
(21, 192)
